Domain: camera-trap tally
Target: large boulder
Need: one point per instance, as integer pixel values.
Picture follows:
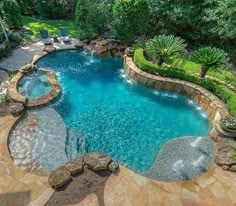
(49, 48)
(102, 43)
(97, 161)
(101, 49)
(223, 152)
(75, 166)
(59, 177)
(79, 45)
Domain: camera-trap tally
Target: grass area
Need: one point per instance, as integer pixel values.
(191, 67)
(35, 25)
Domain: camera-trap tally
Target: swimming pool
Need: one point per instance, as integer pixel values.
(105, 111)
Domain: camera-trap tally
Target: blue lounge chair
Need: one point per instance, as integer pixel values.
(64, 35)
(45, 37)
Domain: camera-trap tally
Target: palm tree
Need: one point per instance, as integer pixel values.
(2, 25)
(165, 46)
(209, 57)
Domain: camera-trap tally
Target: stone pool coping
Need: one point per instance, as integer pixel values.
(16, 96)
(216, 187)
(213, 106)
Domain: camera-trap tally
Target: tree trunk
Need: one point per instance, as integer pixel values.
(3, 29)
(203, 71)
(160, 60)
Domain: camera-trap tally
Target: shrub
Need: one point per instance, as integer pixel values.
(92, 16)
(130, 18)
(209, 57)
(229, 123)
(11, 13)
(26, 6)
(50, 8)
(56, 9)
(4, 99)
(4, 52)
(164, 46)
(15, 40)
(223, 92)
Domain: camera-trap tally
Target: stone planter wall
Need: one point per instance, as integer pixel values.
(214, 107)
(14, 94)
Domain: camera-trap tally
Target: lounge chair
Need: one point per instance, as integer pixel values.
(45, 37)
(64, 35)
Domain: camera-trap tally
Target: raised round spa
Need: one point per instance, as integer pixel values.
(105, 111)
(34, 84)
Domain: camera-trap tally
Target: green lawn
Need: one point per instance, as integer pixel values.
(189, 66)
(35, 25)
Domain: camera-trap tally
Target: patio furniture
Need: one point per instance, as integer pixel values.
(65, 35)
(45, 37)
(55, 39)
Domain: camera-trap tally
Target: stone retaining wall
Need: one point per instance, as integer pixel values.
(214, 107)
(14, 94)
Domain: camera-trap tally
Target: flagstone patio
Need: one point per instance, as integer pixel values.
(216, 187)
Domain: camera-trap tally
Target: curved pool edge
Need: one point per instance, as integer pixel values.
(136, 189)
(213, 106)
(16, 96)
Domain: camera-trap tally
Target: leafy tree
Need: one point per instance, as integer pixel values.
(222, 19)
(26, 6)
(130, 18)
(209, 57)
(50, 8)
(182, 18)
(93, 16)
(3, 26)
(163, 46)
(11, 13)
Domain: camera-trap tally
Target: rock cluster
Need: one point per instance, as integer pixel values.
(93, 161)
(103, 46)
(223, 152)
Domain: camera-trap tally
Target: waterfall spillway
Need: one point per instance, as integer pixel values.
(196, 143)
(178, 166)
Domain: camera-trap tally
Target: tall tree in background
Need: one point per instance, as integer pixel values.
(2, 24)
(93, 16)
(182, 18)
(11, 13)
(222, 18)
(130, 18)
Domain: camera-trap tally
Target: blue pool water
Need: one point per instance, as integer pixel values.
(34, 85)
(105, 111)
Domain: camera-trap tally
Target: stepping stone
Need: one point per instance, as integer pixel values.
(97, 161)
(75, 166)
(59, 177)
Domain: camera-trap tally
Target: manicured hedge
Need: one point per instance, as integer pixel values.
(223, 92)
